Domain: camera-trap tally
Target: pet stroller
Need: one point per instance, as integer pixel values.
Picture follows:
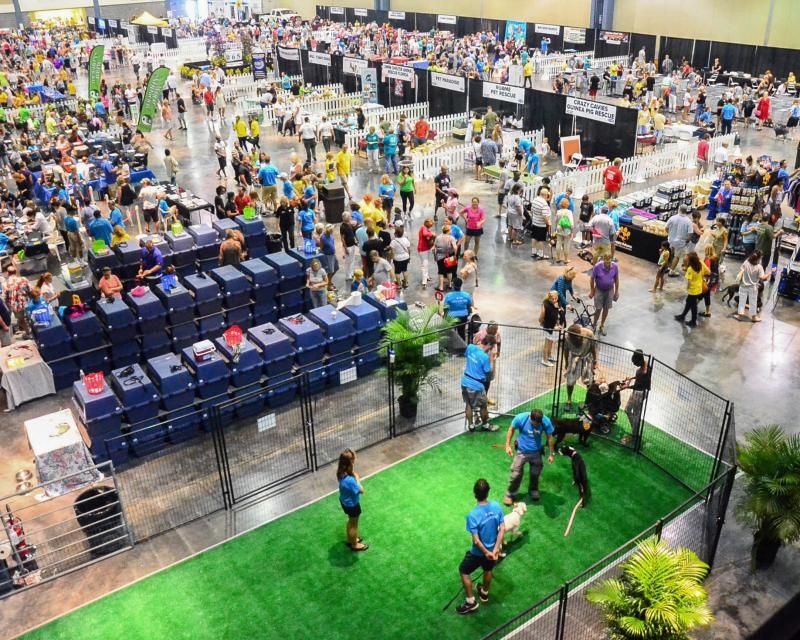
(602, 405)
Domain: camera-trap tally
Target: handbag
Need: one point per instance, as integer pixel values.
(450, 262)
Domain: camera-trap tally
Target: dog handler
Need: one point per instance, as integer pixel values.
(529, 451)
(477, 373)
(350, 491)
(485, 524)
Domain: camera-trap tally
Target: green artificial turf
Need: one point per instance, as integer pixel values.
(295, 578)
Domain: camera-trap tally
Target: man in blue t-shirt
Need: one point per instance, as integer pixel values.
(727, 115)
(458, 304)
(477, 371)
(101, 229)
(268, 177)
(485, 523)
(390, 142)
(529, 451)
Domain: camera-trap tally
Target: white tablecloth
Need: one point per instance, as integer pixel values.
(63, 462)
(32, 380)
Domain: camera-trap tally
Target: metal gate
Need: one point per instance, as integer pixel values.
(60, 526)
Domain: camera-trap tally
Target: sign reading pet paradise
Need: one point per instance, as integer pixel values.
(599, 111)
(398, 72)
(447, 81)
(504, 92)
(323, 59)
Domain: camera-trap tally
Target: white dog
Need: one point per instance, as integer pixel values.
(514, 519)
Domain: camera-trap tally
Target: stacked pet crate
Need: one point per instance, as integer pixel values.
(305, 261)
(263, 285)
(129, 255)
(212, 375)
(278, 357)
(87, 335)
(99, 260)
(387, 308)
(340, 336)
(140, 407)
(291, 283)
(207, 305)
(255, 235)
(206, 246)
(151, 320)
(246, 366)
(183, 252)
(100, 415)
(235, 288)
(55, 347)
(119, 325)
(368, 324)
(309, 346)
(179, 304)
(176, 385)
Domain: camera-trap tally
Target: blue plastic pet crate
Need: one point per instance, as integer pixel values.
(99, 261)
(118, 319)
(367, 361)
(182, 336)
(146, 437)
(137, 393)
(254, 232)
(263, 281)
(178, 302)
(317, 377)
(221, 227)
(211, 326)
(257, 250)
(305, 258)
(206, 292)
(101, 414)
(207, 264)
(242, 317)
(246, 368)
(190, 269)
(277, 350)
(291, 275)
(173, 379)
(282, 390)
(206, 241)
(263, 313)
(338, 328)
(249, 401)
(52, 341)
(367, 321)
(86, 331)
(212, 373)
(154, 344)
(335, 365)
(125, 353)
(116, 449)
(96, 360)
(130, 256)
(307, 338)
(234, 285)
(65, 373)
(183, 425)
(184, 258)
(151, 314)
(388, 311)
(180, 242)
(291, 303)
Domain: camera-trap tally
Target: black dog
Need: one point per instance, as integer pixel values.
(730, 295)
(579, 476)
(582, 426)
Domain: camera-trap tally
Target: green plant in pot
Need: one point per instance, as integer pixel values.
(659, 596)
(770, 460)
(407, 336)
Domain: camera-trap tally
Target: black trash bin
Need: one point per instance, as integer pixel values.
(333, 199)
(274, 244)
(99, 515)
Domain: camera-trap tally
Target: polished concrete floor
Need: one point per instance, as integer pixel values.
(753, 365)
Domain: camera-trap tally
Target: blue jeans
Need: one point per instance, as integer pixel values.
(391, 163)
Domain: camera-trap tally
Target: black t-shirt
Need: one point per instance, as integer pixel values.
(181, 106)
(244, 170)
(348, 234)
(285, 216)
(701, 98)
(219, 207)
(587, 209)
(442, 183)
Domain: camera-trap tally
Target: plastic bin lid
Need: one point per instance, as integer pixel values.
(329, 319)
(299, 325)
(203, 234)
(168, 368)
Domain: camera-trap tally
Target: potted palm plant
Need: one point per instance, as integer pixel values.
(770, 460)
(659, 596)
(404, 339)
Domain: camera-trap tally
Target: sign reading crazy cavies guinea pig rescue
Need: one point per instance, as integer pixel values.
(599, 111)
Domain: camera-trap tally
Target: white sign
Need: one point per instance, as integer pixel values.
(504, 92)
(599, 111)
(153, 30)
(446, 19)
(90, 19)
(232, 45)
(289, 54)
(549, 29)
(266, 422)
(336, 11)
(233, 58)
(348, 375)
(353, 66)
(360, 12)
(397, 15)
(323, 59)
(101, 24)
(167, 33)
(577, 36)
(398, 72)
(446, 81)
(430, 349)
(113, 23)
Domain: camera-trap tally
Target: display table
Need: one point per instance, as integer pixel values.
(191, 208)
(635, 241)
(63, 463)
(33, 379)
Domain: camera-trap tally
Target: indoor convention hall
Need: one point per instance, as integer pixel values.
(399, 321)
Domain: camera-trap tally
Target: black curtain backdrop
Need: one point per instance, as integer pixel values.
(426, 21)
(639, 40)
(315, 74)
(443, 101)
(381, 17)
(678, 49)
(407, 23)
(701, 50)
(292, 67)
(496, 26)
(546, 110)
(734, 57)
(467, 26)
(604, 50)
(601, 139)
(779, 61)
(422, 85)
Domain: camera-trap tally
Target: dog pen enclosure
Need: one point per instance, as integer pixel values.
(684, 429)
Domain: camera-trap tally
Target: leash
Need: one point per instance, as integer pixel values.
(572, 517)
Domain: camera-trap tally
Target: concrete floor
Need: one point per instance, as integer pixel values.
(750, 364)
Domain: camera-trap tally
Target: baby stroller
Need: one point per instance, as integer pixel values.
(603, 401)
(584, 315)
(527, 219)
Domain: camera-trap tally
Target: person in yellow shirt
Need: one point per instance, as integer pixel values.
(527, 74)
(477, 125)
(71, 88)
(330, 167)
(370, 210)
(50, 124)
(344, 161)
(696, 273)
(643, 121)
(240, 127)
(255, 132)
(659, 121)
(3, 98)
(119, 236)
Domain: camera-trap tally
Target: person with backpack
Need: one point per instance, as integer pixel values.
(444, 251)
(564, 224)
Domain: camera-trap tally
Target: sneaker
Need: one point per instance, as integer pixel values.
(547, 363)
(483, 594)
(602, 330)
(679, 318)
(508, 501)
(491, 403)
(466, 608)
(551, 359)
(488, 426)
(535, 496)
(470, 427)
(691, 324)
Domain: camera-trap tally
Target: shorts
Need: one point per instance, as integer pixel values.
(209, 109)
(150, 215)
(472, 563)
(539, 234)
(352, 512)
(478, 162)
(501, 198)
(551, 335)
(476, 400)
(444, 270)
(269, 194)
(474, 232)
(603, 298)
(600, 250)
(401, 266)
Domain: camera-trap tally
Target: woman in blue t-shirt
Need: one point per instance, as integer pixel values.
(306, 219)
(350, 491)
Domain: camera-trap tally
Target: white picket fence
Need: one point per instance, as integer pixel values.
(38, 110)
(412, 112)
(248, 104)
(637, 169)
(510, 136)
(329, 106)
(454, 157)
(551, 65)
(244, 87)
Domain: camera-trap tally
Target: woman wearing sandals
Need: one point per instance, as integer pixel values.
(350, 491)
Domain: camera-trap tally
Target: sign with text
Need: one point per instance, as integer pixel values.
(95, 72)
(599, 111)
(445, 19)
(336, 11)
(152, 98)
(446, 81)
(167, 33)
(516, 30)
(101, 24)
(398, 72)
(234, 58)
(323, 59)
(397, 15)
(614, 37)
(353, 66)
(90, 19)
(113, 23)
(152, 30)
(288, 53)
(259, 60)
(360, 12)
(549, 29)
(504, 92)
(576, 36)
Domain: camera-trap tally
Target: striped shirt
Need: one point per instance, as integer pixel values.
(540, 211)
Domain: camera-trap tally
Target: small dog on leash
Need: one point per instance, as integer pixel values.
(514, 519)
(730, 295)
(582, 426)
(580, 477)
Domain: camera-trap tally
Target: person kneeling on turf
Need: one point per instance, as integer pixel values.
(485, 524)
(477, 372)
(529, 451)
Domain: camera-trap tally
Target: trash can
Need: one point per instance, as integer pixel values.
(99, 515)
(333, 199)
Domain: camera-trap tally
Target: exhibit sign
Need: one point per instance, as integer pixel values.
(398, 72)
(152, 98)
(549, 29)
(353, 66)
(323, 59)
(599, 111)
(447, 81)
(259, 64)
(574, 35)
(445, 19)
(516, 30)
(614, 37)
(288, 53)
(397, 15)
(360, 12)
(95, 71)
(504, 92)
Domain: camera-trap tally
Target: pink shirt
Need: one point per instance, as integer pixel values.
(475, 217)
